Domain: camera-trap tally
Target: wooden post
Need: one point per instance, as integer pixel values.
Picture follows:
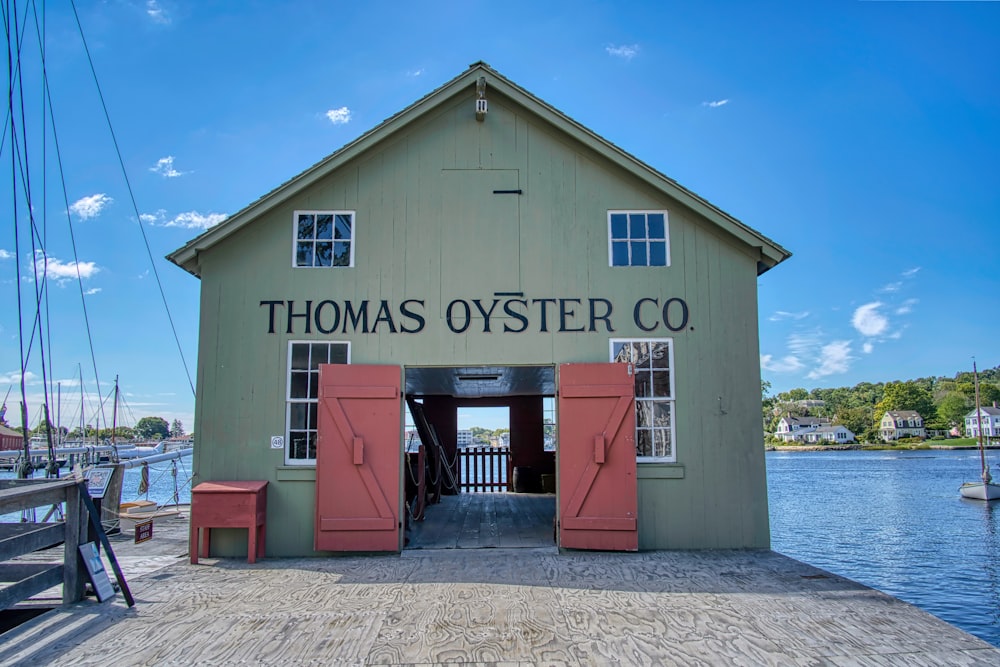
(74, 574)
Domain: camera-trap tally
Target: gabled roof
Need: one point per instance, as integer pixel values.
(771, 253)
(987, 410)
(902, 414)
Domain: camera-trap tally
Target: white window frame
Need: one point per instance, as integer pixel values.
(671, 401)
(666, 238)
(289, 401)
(295, 236)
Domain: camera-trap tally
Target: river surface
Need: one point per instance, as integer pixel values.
(894, 521)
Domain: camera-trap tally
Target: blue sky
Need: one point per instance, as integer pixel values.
(862, 136)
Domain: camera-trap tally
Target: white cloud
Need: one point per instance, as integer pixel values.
(891, 287)
(340, 116)
(62, 272)
(195, 220)
(14, 377)
(867, 348)
(868, 321)
(155, 12)
(909, 273)
(415, 72)
(716, 104)
(152, 218)
(805, 344)
(785, 315)
(625, 51)
(92, 291)
(788, 364)
(834, 358)
(907, 307)
(6, 255)
(165, 168)
(90, 207)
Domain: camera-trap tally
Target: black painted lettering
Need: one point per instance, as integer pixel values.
(270, 316)
(520, 317)
(606, 317)
(318, 314)
(636, 315)
(684, 314)
(413, 315)
(307, 316)
(566, 313)
(361, 316)
(544, 312)
(486, 314)
(468, 315)
(384, 315)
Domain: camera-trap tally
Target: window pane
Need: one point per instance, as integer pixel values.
(313, 415)
(343, 227)
(661, 413)
(304, 254)
(661, 384)
(657, 253)
(619, 253)
(313, 385)
(299, 385)
(622, 352)
(311, 450)
(320, 355)
(637, 225)
(640, 354)
(338, 354)
(306, 227)
(298, 445)
(643, 384)
(300, 356)
(663, 446)
(342, 253)
(644, 443)
(661, 355)
(656, 226)
(324, 253)
(619, 226)
(297, 416)
(639, 253)
(643, 414)
(324, 226)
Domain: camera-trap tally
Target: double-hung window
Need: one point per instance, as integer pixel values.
(302, 398)
(324, 238)
(653, 361)
(638, 238)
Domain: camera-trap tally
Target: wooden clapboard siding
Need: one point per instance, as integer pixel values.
(413, 193)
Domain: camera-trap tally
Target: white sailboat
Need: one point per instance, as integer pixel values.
(986, 489)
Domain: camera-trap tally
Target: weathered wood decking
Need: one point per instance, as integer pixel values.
(486, 520)
(489, 606)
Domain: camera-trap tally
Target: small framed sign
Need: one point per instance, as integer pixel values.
(98, 480)
(144, 531)
(277, 442)
(95, 568)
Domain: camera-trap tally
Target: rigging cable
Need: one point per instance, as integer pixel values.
(135, 206)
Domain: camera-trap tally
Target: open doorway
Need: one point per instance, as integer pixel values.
(480, 457)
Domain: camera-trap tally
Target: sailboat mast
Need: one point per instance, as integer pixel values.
(114, 415)
(979, 425)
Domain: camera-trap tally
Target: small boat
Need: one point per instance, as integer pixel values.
(986, 489)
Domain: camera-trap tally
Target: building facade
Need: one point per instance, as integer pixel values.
(482, 248)
(988, 418)
(898, 424)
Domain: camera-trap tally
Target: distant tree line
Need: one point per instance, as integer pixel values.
(942, 402)
(147, 428)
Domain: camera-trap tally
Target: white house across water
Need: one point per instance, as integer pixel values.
(481, 248)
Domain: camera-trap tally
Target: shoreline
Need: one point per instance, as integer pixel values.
(871, 448)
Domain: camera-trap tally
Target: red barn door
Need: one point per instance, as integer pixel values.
(598, 497)
(358, 458)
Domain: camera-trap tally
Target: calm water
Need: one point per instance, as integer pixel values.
(895, 522)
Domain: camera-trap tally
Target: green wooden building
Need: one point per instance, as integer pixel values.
(481, 248)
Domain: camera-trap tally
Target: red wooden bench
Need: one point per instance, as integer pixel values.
(228, 505)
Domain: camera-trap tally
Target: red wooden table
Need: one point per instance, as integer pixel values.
(229, 505)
